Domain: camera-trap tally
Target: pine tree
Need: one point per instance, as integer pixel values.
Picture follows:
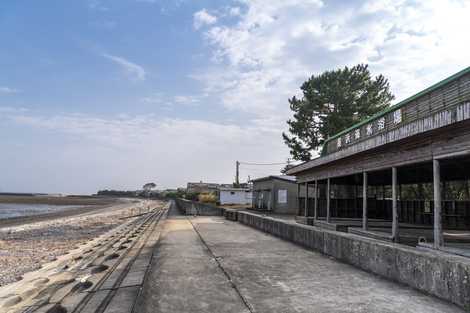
(332, 102)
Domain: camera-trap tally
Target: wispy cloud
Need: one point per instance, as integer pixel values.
(167, 101)
(157, 99)
(234, 11)
(133, 70)
(97, 5)
(6, 109)
(8, 90)
(187, 100)
(202, 18)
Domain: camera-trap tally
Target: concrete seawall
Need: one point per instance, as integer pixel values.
(187, 207)
(440, 274)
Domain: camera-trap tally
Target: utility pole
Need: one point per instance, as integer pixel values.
(237, 175)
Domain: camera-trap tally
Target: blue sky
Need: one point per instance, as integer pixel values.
(111, 94)
(57, 48)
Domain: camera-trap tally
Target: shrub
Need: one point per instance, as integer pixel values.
(207, 198)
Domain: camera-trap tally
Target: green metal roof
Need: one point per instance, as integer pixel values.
(399, 105)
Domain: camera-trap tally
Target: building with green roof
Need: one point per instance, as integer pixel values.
(421, 142)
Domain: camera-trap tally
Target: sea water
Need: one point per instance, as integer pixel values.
(8, 210)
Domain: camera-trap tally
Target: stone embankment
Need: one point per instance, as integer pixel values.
(104, 275)
(28, 246)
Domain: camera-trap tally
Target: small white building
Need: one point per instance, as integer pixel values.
(235, 195)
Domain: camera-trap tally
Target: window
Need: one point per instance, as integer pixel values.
(282, 196)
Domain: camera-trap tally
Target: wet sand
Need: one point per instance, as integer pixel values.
(58, 200)
(29, 242)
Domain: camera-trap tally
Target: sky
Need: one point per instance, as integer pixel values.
(98, 94)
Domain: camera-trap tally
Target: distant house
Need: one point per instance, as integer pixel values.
(228, 195)
(202, 187)
(277, 194)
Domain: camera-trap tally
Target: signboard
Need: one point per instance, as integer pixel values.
(282, 196)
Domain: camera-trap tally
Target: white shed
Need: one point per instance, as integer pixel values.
(235, 195)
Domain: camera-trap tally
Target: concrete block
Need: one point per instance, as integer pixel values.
(301, 220)
(134, 278)
(231, 215)
(330, 244)
(111, 280)
(95, 301)
(123, 301)
(72, 300)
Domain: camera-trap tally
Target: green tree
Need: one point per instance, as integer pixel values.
(149, 186)
(332, 102)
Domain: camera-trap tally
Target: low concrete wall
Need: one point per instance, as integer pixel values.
(187, 207)
(231, 215)
(440, 274)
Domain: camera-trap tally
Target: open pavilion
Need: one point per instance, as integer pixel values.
(394, 176)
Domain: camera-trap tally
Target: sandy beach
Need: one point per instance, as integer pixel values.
(25, 247)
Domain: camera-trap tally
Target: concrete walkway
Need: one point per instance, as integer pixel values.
(209, 264)
(185, 277)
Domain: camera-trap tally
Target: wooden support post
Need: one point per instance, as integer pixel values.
(273, 197)
(356, 206)
(298, 199)
(328, 196)
(394, 205)
(315, 205)
(306, 199)
(364, 201)
(443, 191)
(384, 205)
(437, 205)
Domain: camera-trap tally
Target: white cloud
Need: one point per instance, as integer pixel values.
(97, 5)
(8, 90)
(202, 18)
(125, 151)
(262, 59)
(162, 100)
(187, 100)
(133, 70)
(9, 110)
(234, 11)
(156, 99)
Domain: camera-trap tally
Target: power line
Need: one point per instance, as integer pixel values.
(238, 163)
(262, 164)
